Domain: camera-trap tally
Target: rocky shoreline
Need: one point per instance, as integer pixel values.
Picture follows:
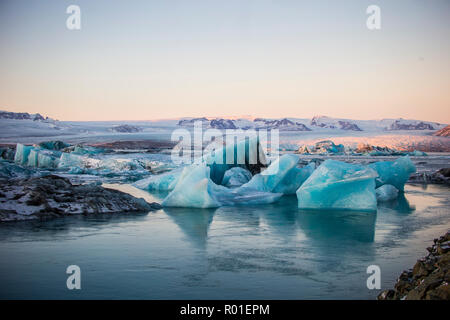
(428, 279)
(53, 196)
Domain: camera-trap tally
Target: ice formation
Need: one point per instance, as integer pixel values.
(36, 157)
(195, 189)
(386, 192)
(54, 145)
(282, 176)
(236, 177)
(247, 153)
(395, 172)
(336, 185)
(161, 182)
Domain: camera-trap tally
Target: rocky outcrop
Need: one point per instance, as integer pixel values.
(444, 132)
(429, 279)
(53, 196)
(441, 176)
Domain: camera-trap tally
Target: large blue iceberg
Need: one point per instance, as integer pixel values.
(36, 156)
(395, 173)
(161, 182)
(336, 185)
(282, 176)
(195, 189)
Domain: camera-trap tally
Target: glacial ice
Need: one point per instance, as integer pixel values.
(195, 189)
(336, 185)
(236, 177)
(282, 176)
(43, 158)
(35, 156)
(161, 182)
(395, 172)
(54, 145)
(22, 153)
(386, 192)
(247, 152)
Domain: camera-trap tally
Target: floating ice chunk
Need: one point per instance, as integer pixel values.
(395, 172)
(247, 153)
(282, 176)
(54, 145)
(195, 189)
(386, 192)
(161, 182)
(236, 177)
(417, 153)
(42, 158)
(69, 160)
(192, 189)
(22, 153)
(336, 185)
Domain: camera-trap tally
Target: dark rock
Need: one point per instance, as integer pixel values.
(51, 196)
(429, 278)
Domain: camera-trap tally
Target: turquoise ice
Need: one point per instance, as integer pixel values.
(336, 185)
(247, 153)
(395, 172)
(22, 153)
(236, 177)
(282, 176)
(36, 157)
(386, 192)
(195, 189)
(161, 182)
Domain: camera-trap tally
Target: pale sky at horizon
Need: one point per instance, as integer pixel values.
(143, 60)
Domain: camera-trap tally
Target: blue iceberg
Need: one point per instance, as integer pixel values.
(282, 176)
(195, 189)
(36, 157)
(336, 185)
(386, 192)
(395, 172)
(22, 153)
(246, 153)
(161, 182)
(236, 177)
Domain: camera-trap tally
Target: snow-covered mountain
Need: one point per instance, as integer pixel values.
(317, 123)
(22, 116)
(444, 132)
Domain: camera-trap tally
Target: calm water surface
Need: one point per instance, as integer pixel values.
(261, 252)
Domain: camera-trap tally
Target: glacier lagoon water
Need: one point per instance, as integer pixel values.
(274, 251)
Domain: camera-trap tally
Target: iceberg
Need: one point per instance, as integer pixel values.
(22, 153)
(35, 156)
(236, 177)
(282, 176)
(386, 192)
(42, 158)
(195, 189)
(54, 145)
(247, 153)
(395, 172)
(336, 185)
(161, 182)
(69, 160)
